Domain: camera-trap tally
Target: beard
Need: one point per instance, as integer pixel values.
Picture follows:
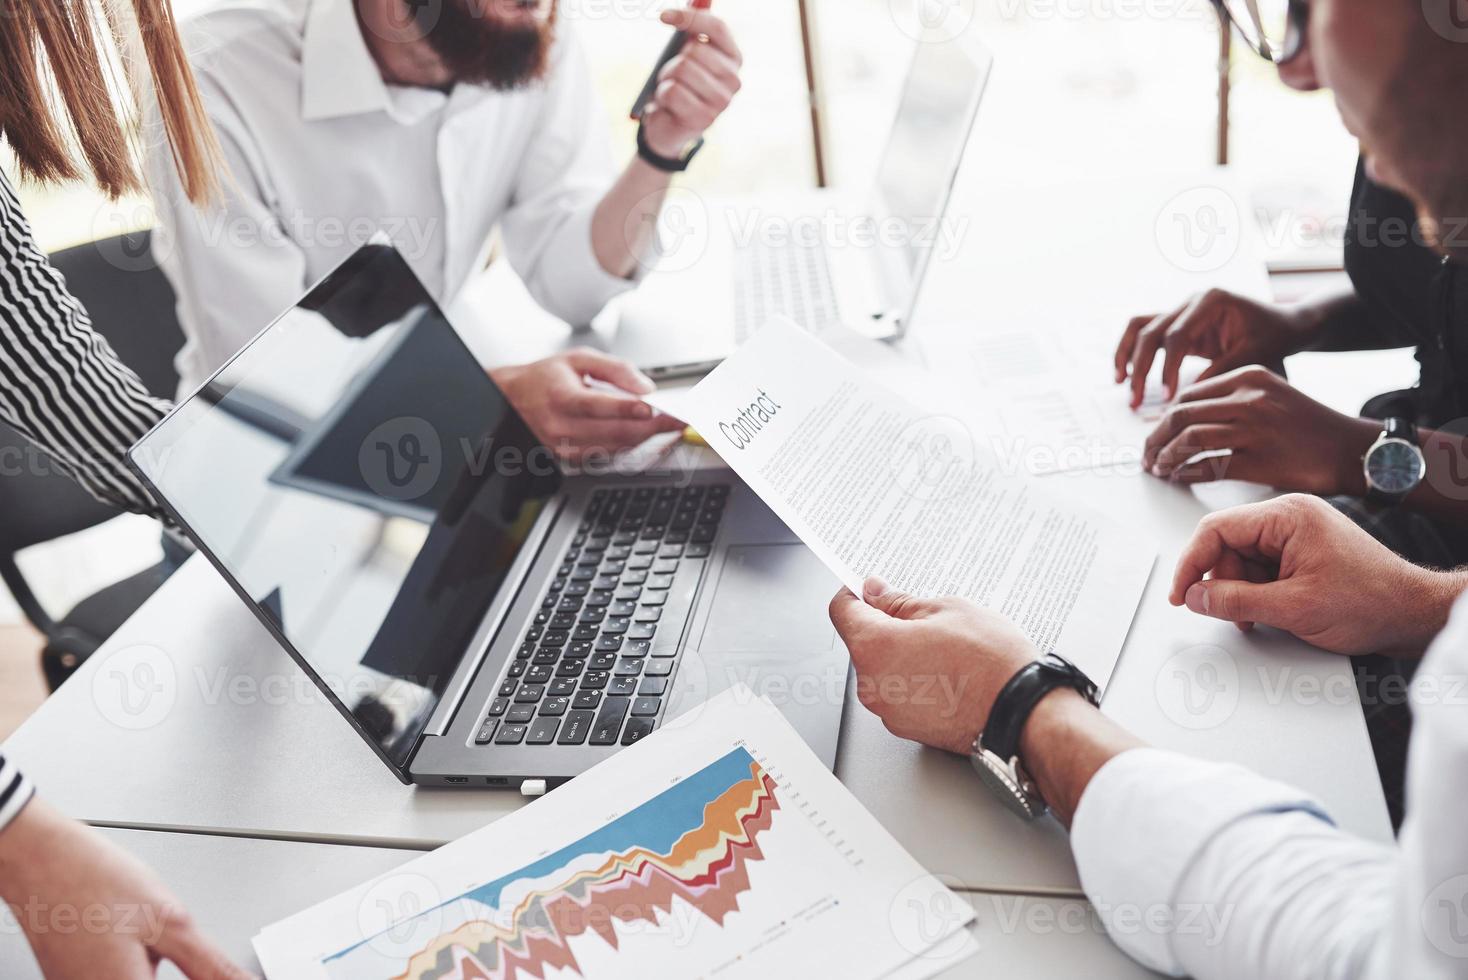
(481, 47)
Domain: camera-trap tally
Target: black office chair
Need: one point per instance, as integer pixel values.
(132, 305)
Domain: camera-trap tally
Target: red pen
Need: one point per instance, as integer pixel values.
(675, 44)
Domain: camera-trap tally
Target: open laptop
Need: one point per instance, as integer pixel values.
(821, 259)
(478, 617)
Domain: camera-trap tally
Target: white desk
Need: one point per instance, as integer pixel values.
(234, 886)
(228, 737)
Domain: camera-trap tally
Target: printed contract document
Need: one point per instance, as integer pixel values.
(874, 486)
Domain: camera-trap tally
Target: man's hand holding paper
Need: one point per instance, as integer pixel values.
(875, 486)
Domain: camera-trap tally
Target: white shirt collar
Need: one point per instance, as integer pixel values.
(338, 75)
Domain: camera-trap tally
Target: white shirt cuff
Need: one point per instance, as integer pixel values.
(1140, 825)
(572, 283)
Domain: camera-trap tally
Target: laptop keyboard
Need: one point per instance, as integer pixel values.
(594, 665)
(790, 279)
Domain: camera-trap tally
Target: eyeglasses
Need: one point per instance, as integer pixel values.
(1275, 29)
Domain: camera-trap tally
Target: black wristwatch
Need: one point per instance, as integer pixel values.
(996, 751)
(1394, 465)
(668, 165)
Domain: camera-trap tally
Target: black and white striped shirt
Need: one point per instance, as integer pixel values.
(61, 385)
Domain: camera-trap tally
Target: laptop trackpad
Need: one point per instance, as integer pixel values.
(769, 630)
(770, 599)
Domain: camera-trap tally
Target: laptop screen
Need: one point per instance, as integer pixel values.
(940, 100)
(362, 481)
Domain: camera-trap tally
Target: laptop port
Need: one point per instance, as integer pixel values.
(456, 779)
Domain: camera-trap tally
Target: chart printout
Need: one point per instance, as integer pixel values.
(718, 847)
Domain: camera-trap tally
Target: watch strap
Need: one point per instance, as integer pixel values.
(1017, 699)
(668, 165)
(1404, 429)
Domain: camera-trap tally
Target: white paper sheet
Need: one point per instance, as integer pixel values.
(875, 486)
(718, 846)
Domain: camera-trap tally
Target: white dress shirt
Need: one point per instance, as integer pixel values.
(323, 154)
(1212, 871)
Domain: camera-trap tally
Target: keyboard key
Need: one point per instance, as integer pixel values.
(498, 705)
(609, 644)
(637, 648)
(665, 566)
(583, 573)
(653, 686)
(551, 707)
(586, 631)
(602, 661)
(529, 693)
(696, 551)
(629, 667)
(547, 655)
(608, 581)
(602, 598)
(570, 668)
(703, 533)
(510, 735)
(622, 607)
(575, 728)
(580, 648)
(633, 578)
(556, 638)
(570, 602)
(645, 547)
(608, 724)
(648, 614)
(646, 706)
(595, 680)
(621, 687)
(576, 588)
(543, 731)
(659, 582)
(587, 699)
(615, 626)
(658, 668)
(533, 633)
(642, 631)
(563, 621)
(639, 563)
(631, 592)
(486, 732)
(637, 729)
(655, 599)
(614, 567)
(539, 674)
(527, 649)
(670, 551)
(593, 614)
(562, 687)
(517, 667)
(520, 714)
(507, 689)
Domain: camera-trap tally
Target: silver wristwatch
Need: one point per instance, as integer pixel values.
(995, 754)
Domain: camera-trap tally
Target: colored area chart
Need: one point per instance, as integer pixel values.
(691, 844)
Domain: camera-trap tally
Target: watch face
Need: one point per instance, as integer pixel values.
(1394, 467)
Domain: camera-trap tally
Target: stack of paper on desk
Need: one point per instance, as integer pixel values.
(875, 486)
(719, 846)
